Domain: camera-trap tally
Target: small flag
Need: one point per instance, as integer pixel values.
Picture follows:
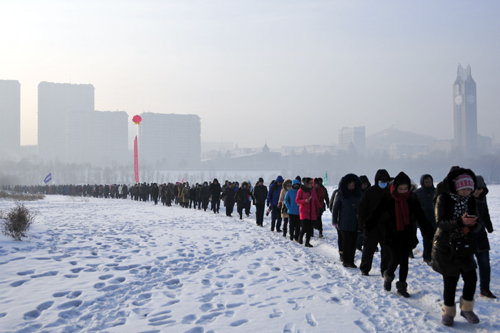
(182, 181)
(48, 178)
(325, 180)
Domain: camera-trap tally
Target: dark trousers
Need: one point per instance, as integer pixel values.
(285, 225)
(275, 218)
(192, 202)
(259, 214)
(240, 210)
(204, 203)
(450, 287)
(155, 199)
(398, 257)
(483, 261)
(359, 242)
(372, 239)
(215, 205)
(340, 242)
(229, 208)
(247, 208)
(349, 239)
(318, 224)
(294, 226)
(307, 229)
(427, 248)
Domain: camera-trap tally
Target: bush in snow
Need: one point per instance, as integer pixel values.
(17, 222)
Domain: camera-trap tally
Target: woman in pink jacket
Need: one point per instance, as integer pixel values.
(308, 205)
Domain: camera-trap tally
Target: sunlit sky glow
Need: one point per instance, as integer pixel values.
(289, 72)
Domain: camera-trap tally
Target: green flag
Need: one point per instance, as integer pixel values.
(325, 180)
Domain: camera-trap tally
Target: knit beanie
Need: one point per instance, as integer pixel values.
(463, 181)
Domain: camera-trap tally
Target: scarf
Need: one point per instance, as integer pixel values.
(460, 207)
(401, 208)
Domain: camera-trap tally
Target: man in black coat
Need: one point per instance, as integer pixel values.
(425, 195)
(205, 195)
(260, 195)
(215, 191)
(369, 201)
(154, 193)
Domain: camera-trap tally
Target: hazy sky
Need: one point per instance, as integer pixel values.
(289, 72)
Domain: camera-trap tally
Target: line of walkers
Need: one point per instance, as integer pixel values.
(453, 220)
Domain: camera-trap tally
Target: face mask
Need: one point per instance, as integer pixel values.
(382, 184)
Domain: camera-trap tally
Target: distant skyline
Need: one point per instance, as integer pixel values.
(285, 72)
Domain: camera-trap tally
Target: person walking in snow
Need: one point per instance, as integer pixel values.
(345, 216)
(400, 210)
(425, 194)
(481, 238)
(369, 201)
(272, 202)
(456, 218)
(259, 195)
(287, 185)
(322, 194)
(293, 210)
(308, 205)
(215, 191)
(228, 196)
(242, 198)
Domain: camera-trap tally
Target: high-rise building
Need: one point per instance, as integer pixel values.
(465, 113)
(353, 137)
(10, 109)
(69, 130)
(58, 106)
(170, 141)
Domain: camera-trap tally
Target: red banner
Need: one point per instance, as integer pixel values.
(136, 161)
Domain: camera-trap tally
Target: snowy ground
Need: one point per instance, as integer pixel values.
(124, 266)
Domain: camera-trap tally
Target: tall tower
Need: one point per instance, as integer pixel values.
(10, 109)
(465, 113)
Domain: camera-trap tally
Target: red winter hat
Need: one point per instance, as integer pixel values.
(463, 181)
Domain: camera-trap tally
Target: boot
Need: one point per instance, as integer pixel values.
(401, 288)
(466, 308)
(388, 281)
(449, 313)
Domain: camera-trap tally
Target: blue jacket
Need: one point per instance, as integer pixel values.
(273, 195)
(345, 207)
(290, 196)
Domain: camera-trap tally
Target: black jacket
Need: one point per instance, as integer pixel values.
(485, 224)
(345, 206)
(205, 192)
(215, 190)
(370, 199)
(425, 196)
(385, 212)
(443, 260)
(242, 194)
(260, 194)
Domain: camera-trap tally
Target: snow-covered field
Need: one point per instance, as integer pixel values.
(125, 266)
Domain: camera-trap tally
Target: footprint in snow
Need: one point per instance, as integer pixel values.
(49, 273)
(18, 283)
(206, 306)
(239, 322)
(276, 313)
(316, 276)
(289, 328)
(31, 271)
(74, 294)
(117, 280)
(70, 304)
(197, 329)
(105, 277)
(189, 319)
(310, 320)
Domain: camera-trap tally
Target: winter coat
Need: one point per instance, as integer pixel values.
(484, 221)
(273, 195)
(205, 192)
(281, 200)
(155, 191)
(242, 195)
(185, 194)
(228, 196)
(215, 190)
(290, 197)
(406, 238)
(345, 206)
(320, 193)
(425, 196)
(260, 194)
(192, 193)
(370, 199)
(443, 260)
(307, 210)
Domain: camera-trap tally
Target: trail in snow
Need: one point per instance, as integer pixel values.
(119, 265)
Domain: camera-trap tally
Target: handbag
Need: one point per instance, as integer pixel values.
(462, 244)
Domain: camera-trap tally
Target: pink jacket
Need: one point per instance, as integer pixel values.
(308, 210)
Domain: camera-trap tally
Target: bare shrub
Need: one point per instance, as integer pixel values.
(17, 222)
(21, 196)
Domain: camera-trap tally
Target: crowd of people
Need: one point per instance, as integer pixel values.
(453, 219)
